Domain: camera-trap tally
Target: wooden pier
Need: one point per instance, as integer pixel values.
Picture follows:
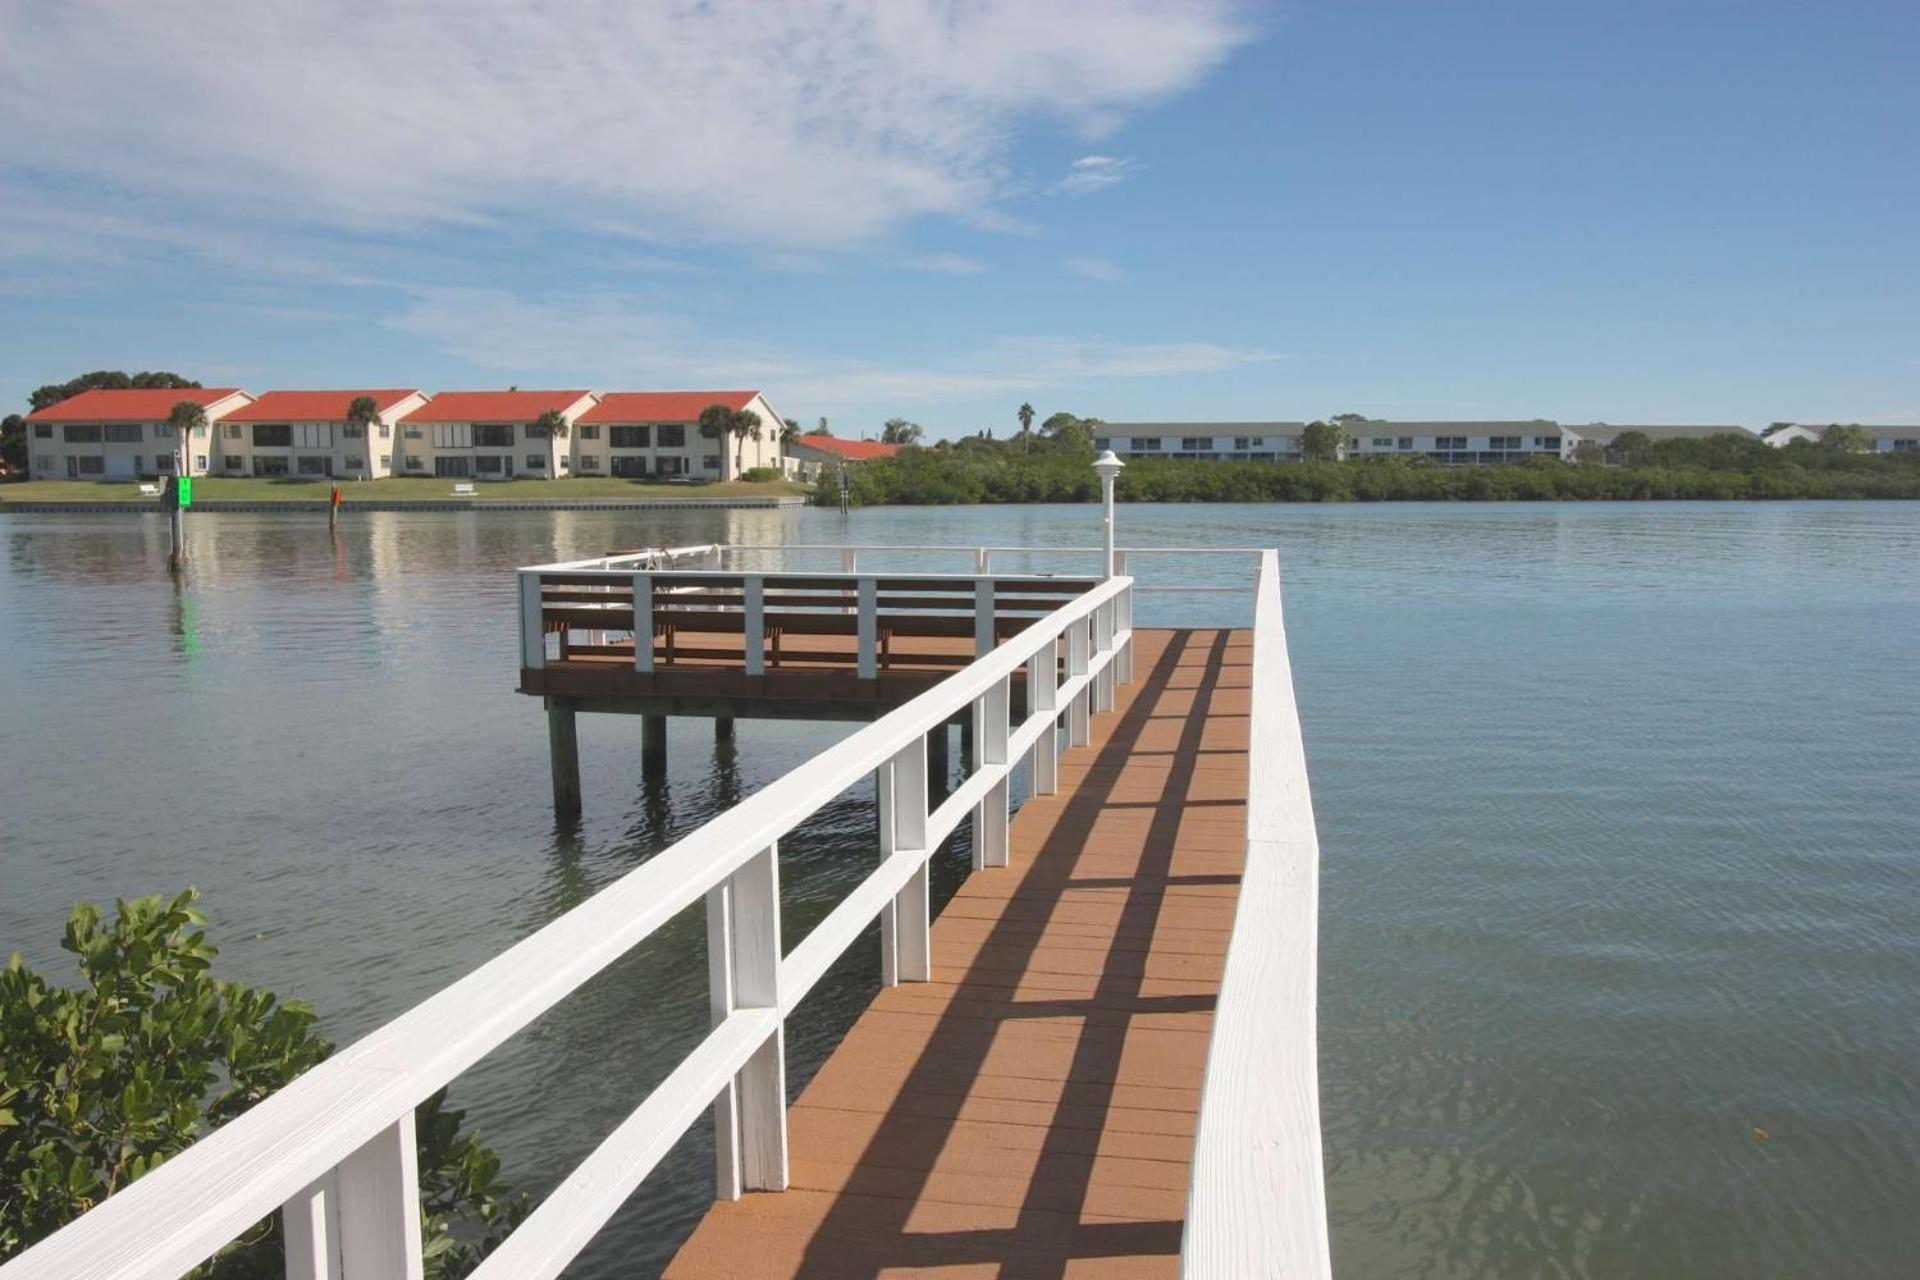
(1030, 1110)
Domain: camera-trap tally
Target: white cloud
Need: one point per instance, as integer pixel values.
(612, 341)
(1095, 173)
(806, 125)
(1095, 269)
(944, 264)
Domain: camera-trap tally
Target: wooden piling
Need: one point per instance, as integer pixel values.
(563, 746)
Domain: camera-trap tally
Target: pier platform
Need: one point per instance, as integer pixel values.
(1030, 1110)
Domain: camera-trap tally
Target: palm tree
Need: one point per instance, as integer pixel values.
(789, 431)
(363, 413)
(554, 422)
(744, 424)
(1026, 424)
(186, 418)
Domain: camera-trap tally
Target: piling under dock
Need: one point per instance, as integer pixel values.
(1030, 1111)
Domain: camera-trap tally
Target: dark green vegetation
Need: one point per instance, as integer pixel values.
(1056, 469)
(102, 1083)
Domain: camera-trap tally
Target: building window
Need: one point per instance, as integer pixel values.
(1144, 444)
(1194, 444)
(711, 461)
(315, 465)
(536, 462)
(632, 468)
(1405, 442)
(589, 431)
(413, 433)
(121, 433)
(416, 464)
(163, 431)
(86, 466)
(455, 466)
(199, 462)
(673, 437)
(1383, 442)
(269, 465)
(386, 432)
(353, 462)
(386, 461)
(1906, 446)
(89, 434)
(1546, 442)
(1503, 442)
(233, 430)
(43, 431)
(630, 437)
(492, 436)
(352, 431)
(1101, 442)
(200, 431)
(1449, 442)
(591, 462)
(453, 435)
(536, 432)
(272, 436)
(235, 462)
(670, 466)
(162, 462)
(488, 464)
(313, 435)
(42, 462)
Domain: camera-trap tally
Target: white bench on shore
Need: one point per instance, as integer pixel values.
(149, 490)
(463, 491)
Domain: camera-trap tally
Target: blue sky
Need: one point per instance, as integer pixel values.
(1621, 211)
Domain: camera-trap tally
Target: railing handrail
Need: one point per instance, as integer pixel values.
(1257, 1202)
(181, 1213)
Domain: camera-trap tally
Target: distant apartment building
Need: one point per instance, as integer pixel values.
(123, 435)
(1457, 443)
(1203, 441)
(656, 434)
(812, 455)
(307, 433)
(1885, 439)
(489, 435)
(1604, 433)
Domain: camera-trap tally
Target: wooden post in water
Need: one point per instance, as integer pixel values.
(653, 746)
(563, 745)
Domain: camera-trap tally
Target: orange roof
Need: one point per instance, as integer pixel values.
(145, 404)
(662, 406)
(493, 406)
(314, 406)
(851, 450)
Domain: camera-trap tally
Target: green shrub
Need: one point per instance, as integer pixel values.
(102, 1083)
(760, 475)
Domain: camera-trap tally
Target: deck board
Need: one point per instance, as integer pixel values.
(1030, 1111)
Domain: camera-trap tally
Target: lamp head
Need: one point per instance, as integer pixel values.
(1107, 465)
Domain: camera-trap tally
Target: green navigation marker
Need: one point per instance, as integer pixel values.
(185, 488)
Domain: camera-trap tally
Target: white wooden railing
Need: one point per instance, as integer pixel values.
(336, 1148)
(1257, 1203)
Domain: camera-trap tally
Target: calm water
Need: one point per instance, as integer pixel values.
(1620, 809)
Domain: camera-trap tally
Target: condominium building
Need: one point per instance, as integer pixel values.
(307, 433)
(1203, 441)
(1456, 442)
(657, 434)
(123, 434)
(489, 435)
(1886, 439)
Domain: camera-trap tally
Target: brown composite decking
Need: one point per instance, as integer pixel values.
(1030, 1112)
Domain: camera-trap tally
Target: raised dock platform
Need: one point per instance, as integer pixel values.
(1030, 1109)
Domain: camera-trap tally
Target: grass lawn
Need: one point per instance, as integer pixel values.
(250, 489)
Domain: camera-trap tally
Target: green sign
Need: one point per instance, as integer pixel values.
(185, 487)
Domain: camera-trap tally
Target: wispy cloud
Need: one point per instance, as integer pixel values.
(612, 340)
(1099, 269)
(945, 264)
(1095, 173)
(807, 125)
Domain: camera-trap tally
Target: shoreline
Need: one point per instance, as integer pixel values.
(55, 506)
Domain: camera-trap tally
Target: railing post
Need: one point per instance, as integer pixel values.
(726, 1114)
(906, 951)
(990, 836)
(754, 891)
(869, 628)
(533, 631)
(1126, 633)
(849, 564)
(983, 616)
(643, 622)
(310, 1223)
(754, 621)
(380, 1206)
(1103, 645)
(1079, 710)
(983, 560)
(1043, 699)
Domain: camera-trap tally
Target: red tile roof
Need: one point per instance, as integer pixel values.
(314, 406)
(662, 406)
(146, 404)
(851, 450)
(493, 406)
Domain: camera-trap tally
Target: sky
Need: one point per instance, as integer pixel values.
(1203, 210)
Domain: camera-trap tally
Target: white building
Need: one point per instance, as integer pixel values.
(647, 434)
(810, 457)
(1885, 439)
(1203, 441)
(306, 433)
(123, 435)
(489, 435)
(1457, 442)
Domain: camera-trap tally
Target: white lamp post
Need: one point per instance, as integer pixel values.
(1108, 467)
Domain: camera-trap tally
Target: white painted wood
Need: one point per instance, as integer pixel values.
(379, 1212)
(883, 789)
(1103, 646)
(983, 616)
(910, 913)
(569, 1216)
(310, 1225)
(1080, 702)
(180, 1214)
(983, 560)
(761, 1086)
(533, 633)
(1257, 1202)
(643, 622)
(1043, 685)
(726, 1123)
(869, 628)
(755, 623)
(991, 817)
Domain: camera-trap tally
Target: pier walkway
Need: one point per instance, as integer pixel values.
(1030, 1110)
